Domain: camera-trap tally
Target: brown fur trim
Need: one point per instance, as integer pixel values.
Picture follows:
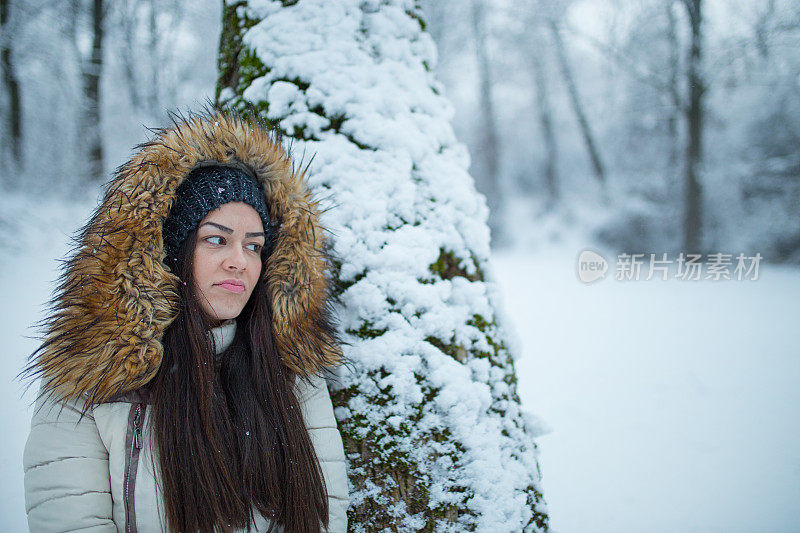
(116, 297)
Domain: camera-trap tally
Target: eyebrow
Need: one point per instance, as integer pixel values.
(229, 230)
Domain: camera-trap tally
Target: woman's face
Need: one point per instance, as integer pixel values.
(227, 259)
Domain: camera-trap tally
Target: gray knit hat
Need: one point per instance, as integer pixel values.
(205, 189)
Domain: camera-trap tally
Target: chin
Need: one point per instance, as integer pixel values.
(221, 312)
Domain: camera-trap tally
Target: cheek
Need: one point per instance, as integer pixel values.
(254, 271)
(201, 268)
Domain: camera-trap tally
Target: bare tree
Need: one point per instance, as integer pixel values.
(153, 49)
(761, 28)
(91, 83)
(575, 100)
(693, 216)
(685, 84)
(128, 13)
(146, 51)
(545, 111)
(90, 139)
(487, 169)
(674, 73)
(11, 84)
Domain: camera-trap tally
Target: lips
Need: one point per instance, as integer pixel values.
(231, 285)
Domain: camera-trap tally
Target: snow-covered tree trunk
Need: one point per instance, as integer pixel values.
(428, 408)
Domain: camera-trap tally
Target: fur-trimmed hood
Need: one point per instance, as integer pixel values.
(116, 296)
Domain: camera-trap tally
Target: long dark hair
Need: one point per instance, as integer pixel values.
(230, 435)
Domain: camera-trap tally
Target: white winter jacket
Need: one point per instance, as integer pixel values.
(90, 474)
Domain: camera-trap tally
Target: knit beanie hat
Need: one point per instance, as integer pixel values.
(202, 191)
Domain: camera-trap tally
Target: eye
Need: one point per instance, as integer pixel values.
(254, 247)
(215, 239)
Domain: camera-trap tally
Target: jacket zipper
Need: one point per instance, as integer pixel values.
(131, 467)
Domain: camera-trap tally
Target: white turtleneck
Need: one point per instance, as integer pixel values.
(223, 335)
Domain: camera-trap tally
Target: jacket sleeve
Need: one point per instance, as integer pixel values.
(318, 415)
(67, 485)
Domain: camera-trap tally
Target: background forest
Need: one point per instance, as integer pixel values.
(642, 125)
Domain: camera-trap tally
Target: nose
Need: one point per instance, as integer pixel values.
(235, 260)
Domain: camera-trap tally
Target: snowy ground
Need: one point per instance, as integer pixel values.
(672, 405)
(30, 246)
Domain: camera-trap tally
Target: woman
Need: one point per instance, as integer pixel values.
(181, 366)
